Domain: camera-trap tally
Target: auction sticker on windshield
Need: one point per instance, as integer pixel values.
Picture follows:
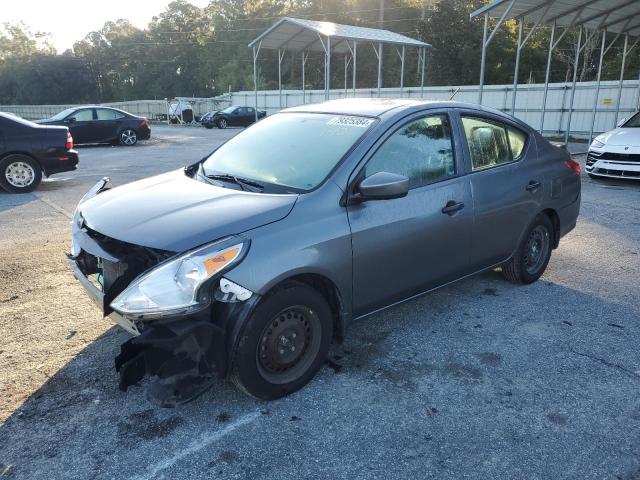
(358, 122)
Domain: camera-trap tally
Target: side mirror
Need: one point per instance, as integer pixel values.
(71, 120)
(383, 186)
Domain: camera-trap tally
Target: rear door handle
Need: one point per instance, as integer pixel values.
(452, 207)
(533, 185)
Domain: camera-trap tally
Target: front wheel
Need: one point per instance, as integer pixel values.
(222, 123)
(128, 137)
(285, 342)
(532, 257)
(19, 174)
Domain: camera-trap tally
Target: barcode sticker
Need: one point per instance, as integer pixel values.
(357, 122)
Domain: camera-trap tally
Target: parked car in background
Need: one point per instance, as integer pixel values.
(250, 261)
(233, 117)
(616, 154)
(28, 151)
(96, 124)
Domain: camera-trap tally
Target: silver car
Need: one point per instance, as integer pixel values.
(248, 264)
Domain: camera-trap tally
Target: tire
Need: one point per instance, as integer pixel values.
(128, 137)
(19, 173)
(284, 343)
(532, 257)
(208, 126)
(222, 123)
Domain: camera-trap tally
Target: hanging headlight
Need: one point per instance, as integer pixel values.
(173, 287)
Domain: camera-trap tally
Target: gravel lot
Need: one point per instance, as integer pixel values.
(482, 379)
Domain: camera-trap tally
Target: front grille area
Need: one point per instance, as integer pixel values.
(620, 157)
(617, 173)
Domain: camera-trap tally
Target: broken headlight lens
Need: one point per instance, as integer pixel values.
(172, 287)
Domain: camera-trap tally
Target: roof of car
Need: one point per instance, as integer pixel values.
(375, 107)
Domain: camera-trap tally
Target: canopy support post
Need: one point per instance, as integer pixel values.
(624, 60)
(255, 76)
(328, 70)
(546, 78)
(483, 57)
(486, 39)
(379, 69)
(424, 61)
(595, 102)
(517, 68)
(573, 87)
(281, 53)
(355, 63)
(402, 72)
(304, 61)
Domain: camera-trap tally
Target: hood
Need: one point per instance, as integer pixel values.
(623, 137)
(176, 213)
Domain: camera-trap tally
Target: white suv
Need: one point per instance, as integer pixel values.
(616, 154)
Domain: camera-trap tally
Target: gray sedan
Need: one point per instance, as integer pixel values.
(249, 263)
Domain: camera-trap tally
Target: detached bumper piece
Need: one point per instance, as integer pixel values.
(181, 357)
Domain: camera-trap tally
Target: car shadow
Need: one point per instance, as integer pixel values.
(9, 200)
(78, 418)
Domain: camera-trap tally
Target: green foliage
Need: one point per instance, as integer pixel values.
(186, 50)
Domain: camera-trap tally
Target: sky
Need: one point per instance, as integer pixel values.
(70, 20)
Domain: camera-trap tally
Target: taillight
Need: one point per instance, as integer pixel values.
(69, 144)
(144, 123)
(573, 165)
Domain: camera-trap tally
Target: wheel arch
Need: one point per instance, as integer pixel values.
(21, 152)
(325, 287)
(555, 221)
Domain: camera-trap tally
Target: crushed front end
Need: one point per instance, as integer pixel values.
(183, 350)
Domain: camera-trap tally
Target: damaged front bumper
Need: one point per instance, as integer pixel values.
(183, 353)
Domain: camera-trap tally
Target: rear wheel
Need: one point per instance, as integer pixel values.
(222, 123)
(128, 137)
(19, 173)
(284, 344)
(532, 257)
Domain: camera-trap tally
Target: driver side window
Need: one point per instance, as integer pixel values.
(421, 150)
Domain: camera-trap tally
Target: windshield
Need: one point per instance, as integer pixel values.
(633, 122)
(295, 150)
(62, 114)
(228, 110)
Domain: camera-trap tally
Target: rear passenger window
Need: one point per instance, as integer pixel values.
(492, 143)
(517, 139)
(106, 114)
(421, 150)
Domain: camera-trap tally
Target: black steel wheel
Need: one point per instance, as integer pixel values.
(289, 344)
(531, 258)
(285, 342)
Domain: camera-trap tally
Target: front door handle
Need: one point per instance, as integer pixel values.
(452, 207)
(533, 186)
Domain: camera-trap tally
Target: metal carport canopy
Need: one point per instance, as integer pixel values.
(619, 17)
(303, 36)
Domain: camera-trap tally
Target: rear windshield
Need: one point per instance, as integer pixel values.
(294, 150)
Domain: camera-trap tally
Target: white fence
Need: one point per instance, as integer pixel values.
(528, 102)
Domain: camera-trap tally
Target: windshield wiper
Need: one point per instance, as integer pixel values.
(242, 182)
